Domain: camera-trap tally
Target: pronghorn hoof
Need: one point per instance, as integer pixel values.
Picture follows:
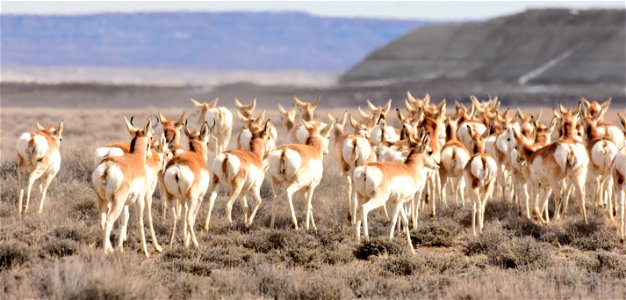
(158, 249)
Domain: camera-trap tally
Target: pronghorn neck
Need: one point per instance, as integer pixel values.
(289, 123)
(307, 115)
(568, 130)
(197, 147)
(338, 131)
(479, 146)
(451, 132)
(139, 147)
(257, 146)
(315, 142)
(414, 159)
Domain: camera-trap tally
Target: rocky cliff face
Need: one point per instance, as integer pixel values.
(551, 46)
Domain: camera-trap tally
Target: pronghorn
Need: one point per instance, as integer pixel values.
(433, 122)
(299, 168)
(307, 109)
(454, 157)
(618, 172)
(186, 179)
(121, 181)
(377, 183)
(219, 118)
(253, 124)
(560, 163)
(38, 158)
(596, 111)
(382, 132)
(478, 126)
(351, 150)
(414, 105)
(246, 110)
(288, 119)
(479, 176)
(298, 134)
(601, 150)
(243, 171)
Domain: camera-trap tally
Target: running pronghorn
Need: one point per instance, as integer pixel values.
(38, 158)
(299, 168)
(156, 165)
(246, 110)
(288, 119)
(454, 157)
(121, 181)
(618, 172)
(351, 150)
(243, 171)
(601, 150)
(377, 183)
(219, 118)
(186, 180)
(433, 122)
(560, 163)
(480, 177)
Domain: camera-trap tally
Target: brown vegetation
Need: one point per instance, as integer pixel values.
(59, 254)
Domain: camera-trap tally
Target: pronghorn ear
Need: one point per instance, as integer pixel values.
(427, 98)
(162, 142)
(476, 104)
(308, 125)
(387, 107)
(298, 102)
(326, 131)
(242, 118)
(344, 118)
(585, 102)
(562, 109)
(605, 108)
(409, 107)
(410, 97)
(622, 121)
(354, 123)
(400, 116)
(553, 124)
(129, 125)
(196, 103)
(470, 129)
(404, 133)
(281, 109)
(213, 103)
(363, 114)
(162, 118)
(59, 129)
(238, 103)
(39, 127)
(496, 104)
(316, 102)
(181, 120)
(442, 108)
(371, 106)
(148, 129)
(253, 104)
(425, 139)
(187, 130)
(204, 131)
(330, 118)
(268, 128)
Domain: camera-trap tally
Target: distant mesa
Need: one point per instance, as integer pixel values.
(536, 47)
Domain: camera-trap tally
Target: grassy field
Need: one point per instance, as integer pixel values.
(59, 254)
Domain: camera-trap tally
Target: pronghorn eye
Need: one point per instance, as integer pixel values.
(508, 139)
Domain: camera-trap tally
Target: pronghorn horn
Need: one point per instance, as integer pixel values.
(162, 118)
(238, 103)
(298, 101)
(410, 96)
(372, 107)
(158, 120)
(363, 114)
(196, 103)
(39, 127)
(281, 109)
(214, 102)
(181, 120)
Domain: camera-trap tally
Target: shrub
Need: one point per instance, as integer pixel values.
(60, 247)
(12, 254)
(403, 266)
(519, 253)
(440, 233)
(376, 247)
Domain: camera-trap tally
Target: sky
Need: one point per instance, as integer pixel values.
(438, 10)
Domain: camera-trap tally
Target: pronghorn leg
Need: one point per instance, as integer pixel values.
(622, 199)
(103, 209)
(567, 192)
(244, 207)
(349, 183)
(608, 191)
(431, 196)
(486, 197)
(275, 190)
(30, 180)
(190, 218)
(373, 203)
(116, 210)
(290, 191)
(173, 207)
(398, 205)
(21, 173)
(524, 188)
(405, 219)
(44, 183)
(236, 193)
(357, 223)
(212, 196)
(309, 207)
(442, 192)
(414, 214)
(123, 229)
(155, 242)
(543, 193)
(579, 184)
(139, 210)
(475, 201)
(184, 215)
(256, 194)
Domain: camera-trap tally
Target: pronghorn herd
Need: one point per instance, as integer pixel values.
(478, 153)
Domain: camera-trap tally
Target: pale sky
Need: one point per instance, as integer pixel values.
(389, 9)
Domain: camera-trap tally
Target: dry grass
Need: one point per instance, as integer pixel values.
(58, 254)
